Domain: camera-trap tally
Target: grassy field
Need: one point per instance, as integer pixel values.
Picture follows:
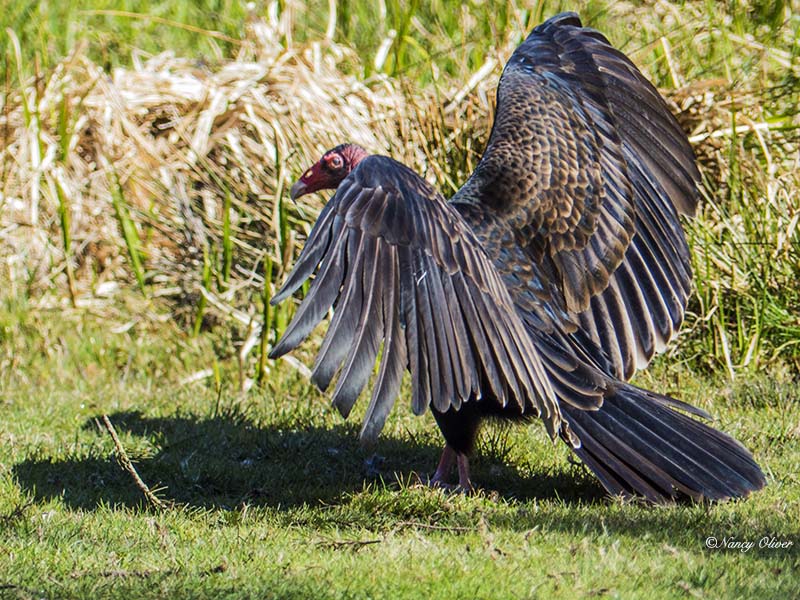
(266, 493)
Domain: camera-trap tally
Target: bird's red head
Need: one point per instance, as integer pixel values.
(329, 171)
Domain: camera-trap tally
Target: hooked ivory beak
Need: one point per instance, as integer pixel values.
(298, 189)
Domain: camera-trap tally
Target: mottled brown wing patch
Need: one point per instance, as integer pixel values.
(554, 170)
(587, 171)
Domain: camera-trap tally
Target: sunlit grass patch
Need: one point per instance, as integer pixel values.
(269, 493)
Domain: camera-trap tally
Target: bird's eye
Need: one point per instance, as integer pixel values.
(335, 162)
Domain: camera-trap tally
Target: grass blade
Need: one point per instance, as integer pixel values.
(201, 303)
(128, 228)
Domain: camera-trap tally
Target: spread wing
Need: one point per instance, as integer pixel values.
(588, 171)
(402, 269)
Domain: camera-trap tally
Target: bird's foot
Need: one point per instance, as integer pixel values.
(454, 488)
(444, 468)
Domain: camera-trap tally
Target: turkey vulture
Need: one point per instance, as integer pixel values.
(557, 270)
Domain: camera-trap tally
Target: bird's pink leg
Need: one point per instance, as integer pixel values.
(464, 481)
(444, 468)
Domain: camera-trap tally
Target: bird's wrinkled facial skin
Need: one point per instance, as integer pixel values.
(329, 171)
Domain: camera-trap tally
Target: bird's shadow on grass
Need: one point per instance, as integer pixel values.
(228, 461)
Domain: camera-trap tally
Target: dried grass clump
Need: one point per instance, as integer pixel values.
(139, 166)
(746, 238)
(173, 174)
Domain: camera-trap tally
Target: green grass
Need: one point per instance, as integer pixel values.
(114, 29)
(428, 35)
(270, 494)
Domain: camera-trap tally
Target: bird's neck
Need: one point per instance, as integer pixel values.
(354, 154)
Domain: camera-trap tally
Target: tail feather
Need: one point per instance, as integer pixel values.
(616, 475)
(711, 452)
(637, 444)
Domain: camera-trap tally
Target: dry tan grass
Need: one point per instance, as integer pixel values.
(179, 135)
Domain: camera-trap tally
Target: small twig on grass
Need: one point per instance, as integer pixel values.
(126, 464)
(354, 545)
(120, 574)
(145, 573)
(16, 513)
(418, 525)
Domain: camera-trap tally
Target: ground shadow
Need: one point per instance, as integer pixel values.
(225, 461)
